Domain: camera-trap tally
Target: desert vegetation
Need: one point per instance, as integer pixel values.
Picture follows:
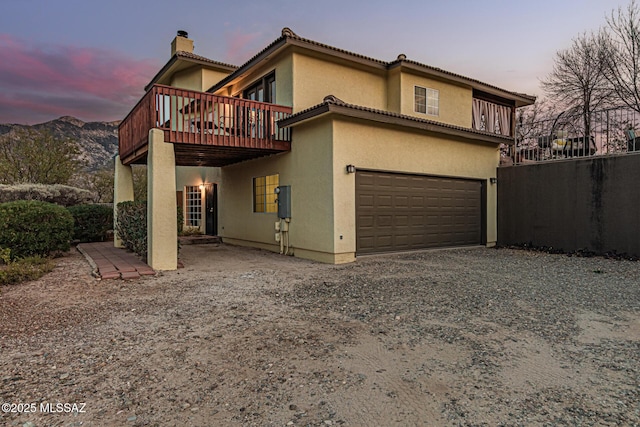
(47, 201)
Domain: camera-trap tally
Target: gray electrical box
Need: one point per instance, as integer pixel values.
(284, 201)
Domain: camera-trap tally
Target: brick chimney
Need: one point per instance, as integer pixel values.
(182, 42)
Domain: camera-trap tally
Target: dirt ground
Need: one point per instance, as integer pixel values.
(465, 337)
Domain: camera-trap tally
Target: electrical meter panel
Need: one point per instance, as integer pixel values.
(284, 201)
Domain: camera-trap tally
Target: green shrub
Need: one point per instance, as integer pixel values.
(191, 231)
(131, 226)
(180, 219)
(21, 270)
(91, 222)
(59, 194)
(5, 256)
(34, 228)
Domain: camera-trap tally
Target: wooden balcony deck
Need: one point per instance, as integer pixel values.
(206, 129)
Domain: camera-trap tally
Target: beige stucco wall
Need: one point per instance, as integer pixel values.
(282, 65)
(315, 78)
(323, 194)
(193, 175)
(304, 79)
(122, 192)
(307, 168)
(394, 91)
(369, 146)
(196, 78)
(162, 233)
(455, 101)
(211, 77)
(190, 79)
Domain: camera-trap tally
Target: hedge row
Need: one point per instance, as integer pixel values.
(59, 194)
(30, 228)
(91, 223)
(132, 226)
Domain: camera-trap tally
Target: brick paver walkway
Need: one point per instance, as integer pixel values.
(114, 263)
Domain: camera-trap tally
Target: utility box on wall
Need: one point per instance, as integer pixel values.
(284, 201)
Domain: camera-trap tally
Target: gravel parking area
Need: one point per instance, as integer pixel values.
(464, 337)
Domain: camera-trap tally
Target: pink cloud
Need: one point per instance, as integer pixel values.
(240, 46)
(41, 82)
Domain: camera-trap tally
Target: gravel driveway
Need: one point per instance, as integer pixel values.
(465, 337)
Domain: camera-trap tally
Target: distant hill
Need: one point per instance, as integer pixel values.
(98, 141)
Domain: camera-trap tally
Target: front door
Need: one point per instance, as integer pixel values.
(211, 208)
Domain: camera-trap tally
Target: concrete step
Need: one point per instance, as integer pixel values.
(199, 240)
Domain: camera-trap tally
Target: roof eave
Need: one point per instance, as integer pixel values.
(521, 100)
(338, 53)
(162, 72)
(261, 56)
(177, 57)
(397, 120)
(290, 39)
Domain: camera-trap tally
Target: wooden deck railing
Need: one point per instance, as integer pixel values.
(190, 117)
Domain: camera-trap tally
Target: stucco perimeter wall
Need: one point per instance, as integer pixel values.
(455, 101)
(570, 205)
(316, 78)
(392, 149)
(308, 170)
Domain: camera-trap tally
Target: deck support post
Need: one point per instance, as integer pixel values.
(162, 227)
(122, 192)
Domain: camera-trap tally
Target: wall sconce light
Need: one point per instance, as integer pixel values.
(201, 186)
(493, 180)
(351, 169)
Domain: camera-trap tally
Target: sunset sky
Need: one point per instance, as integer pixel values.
(91, 59)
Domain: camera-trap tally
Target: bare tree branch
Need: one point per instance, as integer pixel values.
(577, 82)
(622, 47)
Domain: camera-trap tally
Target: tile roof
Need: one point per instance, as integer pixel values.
(402, 61)
(190, 57)
(193, 56)
(417, 122)
(286, 32)
(288, 36)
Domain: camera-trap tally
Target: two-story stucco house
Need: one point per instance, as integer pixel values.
(369, 156)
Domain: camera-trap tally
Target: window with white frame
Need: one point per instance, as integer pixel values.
(427, 101)
(193, 211)
(264, 196)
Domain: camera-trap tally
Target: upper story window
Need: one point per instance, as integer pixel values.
(427, 101)
(264, 90)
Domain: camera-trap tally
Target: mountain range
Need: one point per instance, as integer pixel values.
(98, 141)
